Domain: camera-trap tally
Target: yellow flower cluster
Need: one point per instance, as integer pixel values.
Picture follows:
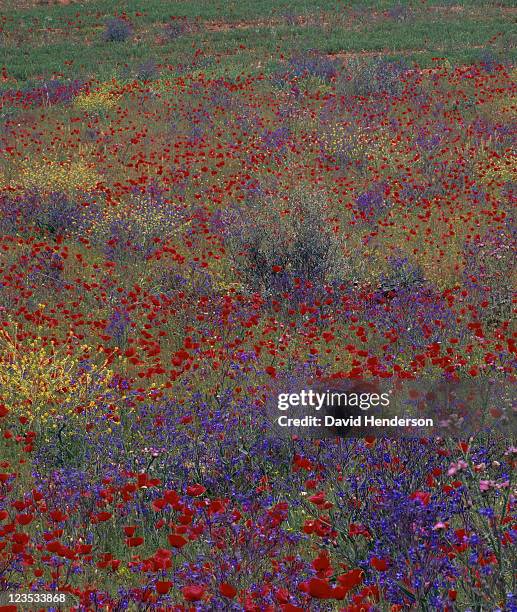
(354, 143)
(44, 384)
(501, 170)
(96, 102)
(360, 144)
(47, 176)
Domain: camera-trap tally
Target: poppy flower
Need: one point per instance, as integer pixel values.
(381, 565)
(58, 516)
(351, 579)
(159, 504)
(195, 490)
(322, 562)
(133, 542)
(163, 586)
(227, 590)
(271, 371)
(24, 519)
(422, 496)
(176, 541)
(318, 499)
(319, 589)
(171, 497)
(193, 592)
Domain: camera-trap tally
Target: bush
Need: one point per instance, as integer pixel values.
(378, 76)
(399, 12)
(117, 30)
(60, 214)
(315, 64)
(372, 204)
(489, 262)
(147, 71)
(53, 213)
(178, 27)
(276, 250)
(402, 276)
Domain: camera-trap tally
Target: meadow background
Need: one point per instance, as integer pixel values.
(202, 203)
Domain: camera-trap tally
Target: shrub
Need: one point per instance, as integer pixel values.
(45, 384)
(313, 63)
(399, 12)
(276, 250)
(366, 77)
(179, 26)
(489, 264)
(414, 310)
(402, 276)
(372, 204)
(62, 214)
(147, 71)
(117, 30)
(53, 213)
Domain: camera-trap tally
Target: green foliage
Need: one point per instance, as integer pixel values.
(53, 44)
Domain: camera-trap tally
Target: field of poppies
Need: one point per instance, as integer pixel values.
(204, 203)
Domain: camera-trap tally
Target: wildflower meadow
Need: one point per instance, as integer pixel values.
(206, 204)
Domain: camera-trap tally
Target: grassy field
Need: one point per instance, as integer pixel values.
(60, 41)
(207, 206)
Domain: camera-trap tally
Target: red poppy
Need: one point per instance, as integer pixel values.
(271, 371)
(193, 592)
(133, 542)
(318, 498)
(227, 590)
(195, 490)
(171, 497)
(159, 504)
(422, 496)
(176, 541)
(24, 519)
(163, 586)
(322, 562)
(57, 516)
(381, 565)
(351, 579)
(317, 588)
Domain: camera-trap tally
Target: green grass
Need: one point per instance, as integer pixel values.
(158, 10)
(79, 51)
